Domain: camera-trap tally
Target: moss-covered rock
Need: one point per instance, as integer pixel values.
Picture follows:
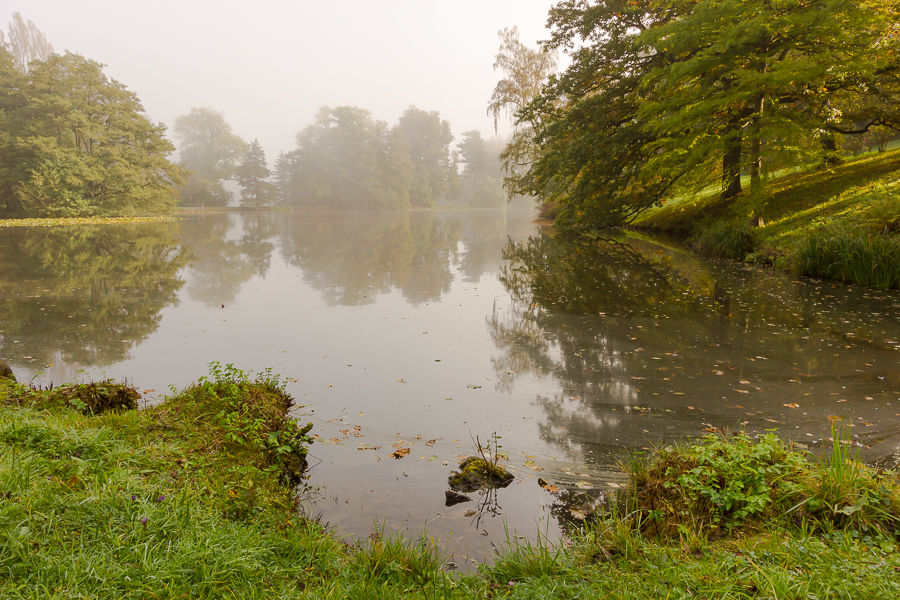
(6, 372)
(97, 397)
(476, 474)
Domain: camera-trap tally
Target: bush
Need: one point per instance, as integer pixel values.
(727, 239)
(851, 257)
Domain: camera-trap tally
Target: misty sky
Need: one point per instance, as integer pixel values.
(269, 65)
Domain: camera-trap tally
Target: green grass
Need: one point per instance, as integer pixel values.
(832, 223)
(191, 499)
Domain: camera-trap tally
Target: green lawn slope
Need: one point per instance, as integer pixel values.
(838, 223)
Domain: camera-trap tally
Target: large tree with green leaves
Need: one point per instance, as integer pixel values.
(212, 151)
(671, 96)
(76, 143)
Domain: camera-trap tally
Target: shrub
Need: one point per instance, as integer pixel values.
(727, 239)
(851, 257)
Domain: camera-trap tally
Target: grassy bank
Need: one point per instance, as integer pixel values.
(191, 499)
(839, 223)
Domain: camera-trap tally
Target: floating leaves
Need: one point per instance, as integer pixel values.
(80, 221)
(472, 386)
(791, 405)
(400, 453)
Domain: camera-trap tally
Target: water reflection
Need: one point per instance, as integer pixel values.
(649, 341)
(84, 294)
(229, 250)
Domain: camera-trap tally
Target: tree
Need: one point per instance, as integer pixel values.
(668, 97)
(76, 143)
(252, 175)
(525, 72)
(348, 159)
(212, 151)
(26, 43)
(429, 147)
(282, 179)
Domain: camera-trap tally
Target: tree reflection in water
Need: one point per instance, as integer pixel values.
(649, 341)
(85, 294)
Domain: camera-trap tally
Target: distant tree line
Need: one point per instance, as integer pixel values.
(344, 159)
(72, 141)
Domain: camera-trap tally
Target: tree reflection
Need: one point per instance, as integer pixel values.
(223, 265)
(645, 338)
(353, 259)
(85, 294)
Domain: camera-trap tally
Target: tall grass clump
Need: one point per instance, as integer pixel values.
(845, 494)
(727, 239)
(850, 256)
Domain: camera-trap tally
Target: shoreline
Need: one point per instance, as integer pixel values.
(192, 497)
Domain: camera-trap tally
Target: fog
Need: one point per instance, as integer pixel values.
(269, 66)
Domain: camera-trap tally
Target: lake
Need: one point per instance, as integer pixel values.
(429, 330)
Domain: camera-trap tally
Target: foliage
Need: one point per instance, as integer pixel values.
(26, 43)
(851, 256)
(75, 143)
(429, 140)
(664, 98)
(212, 151)
(251, 175)
(727, 483)
(727, 239)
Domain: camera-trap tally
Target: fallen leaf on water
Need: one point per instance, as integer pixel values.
(771, 420)
(835, 418)
(430, 442)
(400, 381)
(433, 457)
(742, 391)
(531, 465)
(149, 391)
(791, 405)
(690, 408)
(335, 441)
(448, 398)
(418, 437)
(472, 386)
(362, 414)
(292, 380)
(399, 453)
(583, 484)
(745, 382)
(461, 457)
(444, 462)
(470, 513)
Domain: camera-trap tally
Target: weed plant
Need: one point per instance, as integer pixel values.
(850, 256)
(727, 239)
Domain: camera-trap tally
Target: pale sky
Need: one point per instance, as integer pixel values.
(269, 65)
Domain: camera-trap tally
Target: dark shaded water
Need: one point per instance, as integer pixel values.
(426, 329)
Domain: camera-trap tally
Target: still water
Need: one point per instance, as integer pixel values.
(427, 330)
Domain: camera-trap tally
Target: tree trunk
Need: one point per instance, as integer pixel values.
(731, 161)
(756, 149)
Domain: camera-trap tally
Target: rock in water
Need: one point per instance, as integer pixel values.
(5, 371)
(476, 474)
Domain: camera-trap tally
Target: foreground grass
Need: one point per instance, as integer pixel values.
(838, 223)
(191, 499)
